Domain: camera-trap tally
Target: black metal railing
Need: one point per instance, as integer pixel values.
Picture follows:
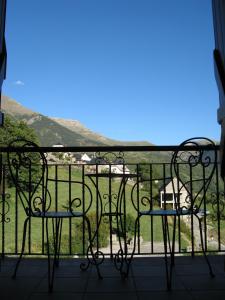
(148, 173)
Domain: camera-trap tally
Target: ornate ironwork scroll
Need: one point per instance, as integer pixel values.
(5, 208)
(109, 158)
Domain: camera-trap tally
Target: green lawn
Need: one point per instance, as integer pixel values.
(60, 198)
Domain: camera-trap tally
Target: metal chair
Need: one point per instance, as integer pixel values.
(28, 170)
(191, 171)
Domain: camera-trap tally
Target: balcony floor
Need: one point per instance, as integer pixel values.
(146, 280)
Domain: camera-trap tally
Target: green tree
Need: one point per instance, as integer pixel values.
(128, 224)
(149, 179)
(102, 231)
(77, 237)
(14, 129)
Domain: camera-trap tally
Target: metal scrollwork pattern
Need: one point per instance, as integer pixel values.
(122, 262)
(119, 259)
(145, 201)
(28, 171)
(5, 208)
(110, 206)
(183, 207)
(195, 157)
(95, 258)
(194, 169)
(20, 160)
(77, 204)
(109, 158)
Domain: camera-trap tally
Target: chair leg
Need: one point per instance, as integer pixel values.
(173, 242)
(50, 283)
(128, 261)
(94, 256)
(166, 239)
(57, 231)
(23, 246)
(203, 248)
(59, 242)
(1, 258)
(56, 228)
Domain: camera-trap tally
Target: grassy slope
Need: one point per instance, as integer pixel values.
(62, 193)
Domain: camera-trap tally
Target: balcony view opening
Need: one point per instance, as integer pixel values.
(111, 149)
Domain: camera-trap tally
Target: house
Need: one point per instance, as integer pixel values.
(120, 169)
(63, 155)
(85, 158)
(116, 169)
(81, 158)
(167, 195)
(58, 145)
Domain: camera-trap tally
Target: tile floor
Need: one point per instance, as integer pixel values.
(146, 280)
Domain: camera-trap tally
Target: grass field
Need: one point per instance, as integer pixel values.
(62, 193)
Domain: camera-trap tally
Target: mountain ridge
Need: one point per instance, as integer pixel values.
(55, 130)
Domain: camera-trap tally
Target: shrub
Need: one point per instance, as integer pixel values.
(77, 237)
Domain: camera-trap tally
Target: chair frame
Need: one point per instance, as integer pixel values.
(19, 157)
(198, 157)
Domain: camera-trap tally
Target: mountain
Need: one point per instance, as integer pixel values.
(53, 131)
(76, 126)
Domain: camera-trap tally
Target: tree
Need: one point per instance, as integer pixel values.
(14, 129)
(128, 224)
(149, 178)
(77, 238)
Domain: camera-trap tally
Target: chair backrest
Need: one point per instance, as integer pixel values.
(192, 168)
(29, 172)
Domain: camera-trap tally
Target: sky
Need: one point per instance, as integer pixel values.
(132, 70)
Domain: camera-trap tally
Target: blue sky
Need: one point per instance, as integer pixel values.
(128, 69)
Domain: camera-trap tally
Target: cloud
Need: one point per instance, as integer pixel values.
(18, 82)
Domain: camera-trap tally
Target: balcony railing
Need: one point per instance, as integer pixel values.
(152, 166)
